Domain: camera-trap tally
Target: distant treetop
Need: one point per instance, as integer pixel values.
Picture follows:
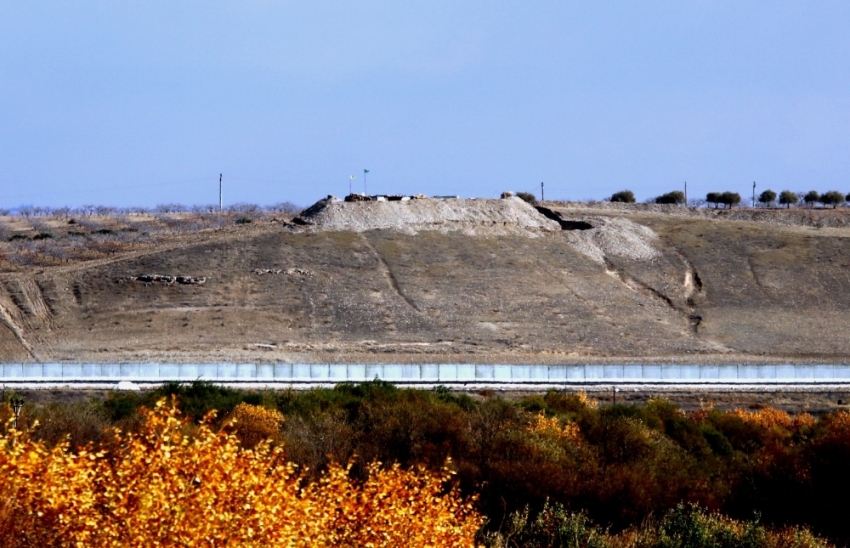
(624, 196)
(675, 197)
(767, 197)
(788, 198)
(832, 198)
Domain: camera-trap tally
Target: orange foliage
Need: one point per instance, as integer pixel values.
(700, 415)
(552, 427)
(164, 487)
(590, 403)
(838, 426)
(771, 418)
(253, 423)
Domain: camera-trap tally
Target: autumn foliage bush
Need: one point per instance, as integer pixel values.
(620, 466)
(253, 423)
(175, 484)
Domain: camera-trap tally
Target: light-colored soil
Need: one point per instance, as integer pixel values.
(639, 286)
(510, 216)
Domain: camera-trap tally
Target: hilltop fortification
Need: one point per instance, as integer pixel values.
(432, 281)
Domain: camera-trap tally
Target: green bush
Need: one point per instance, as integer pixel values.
(713, 198)
(675, 197)
(244, 221)
(788, 198)
(832, 198)
(624, 196)
(685, 526)
(730, 199)
(767, 197)
(811, 197)
(527, 196)
(195, 399)
(552, 527)
(691, 527)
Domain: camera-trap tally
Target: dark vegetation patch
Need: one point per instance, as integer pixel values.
(527, 197)
(557, 457)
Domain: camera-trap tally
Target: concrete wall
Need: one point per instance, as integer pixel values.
(447, 373)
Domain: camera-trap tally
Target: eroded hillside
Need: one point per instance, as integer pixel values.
(563, 285)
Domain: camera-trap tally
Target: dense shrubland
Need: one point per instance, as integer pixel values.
(628, 469)
(171, 483)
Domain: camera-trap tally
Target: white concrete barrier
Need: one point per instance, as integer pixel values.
(427, 373)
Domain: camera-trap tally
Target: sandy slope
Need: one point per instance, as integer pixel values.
(502, 284)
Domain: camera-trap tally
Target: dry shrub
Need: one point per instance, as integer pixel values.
(163, 487)
(316, 441)
(79, 423)
(253, 423)
(685, 526)
(837, 426)
(570, 403)
(794, 537)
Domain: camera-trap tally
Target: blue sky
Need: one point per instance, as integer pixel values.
(140, 103)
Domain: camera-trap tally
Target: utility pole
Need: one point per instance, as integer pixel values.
(220, 203)
(754, 194)
(686, 193)
(542, 198)
(365, 189)
(17, 404)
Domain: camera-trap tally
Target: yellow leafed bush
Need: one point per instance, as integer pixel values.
(552, 427)
(254, 424)
(167, 486)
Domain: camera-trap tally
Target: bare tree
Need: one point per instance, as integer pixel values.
(244, 208)
(287, 208)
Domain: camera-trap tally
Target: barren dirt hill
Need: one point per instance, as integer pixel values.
(502, 282)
